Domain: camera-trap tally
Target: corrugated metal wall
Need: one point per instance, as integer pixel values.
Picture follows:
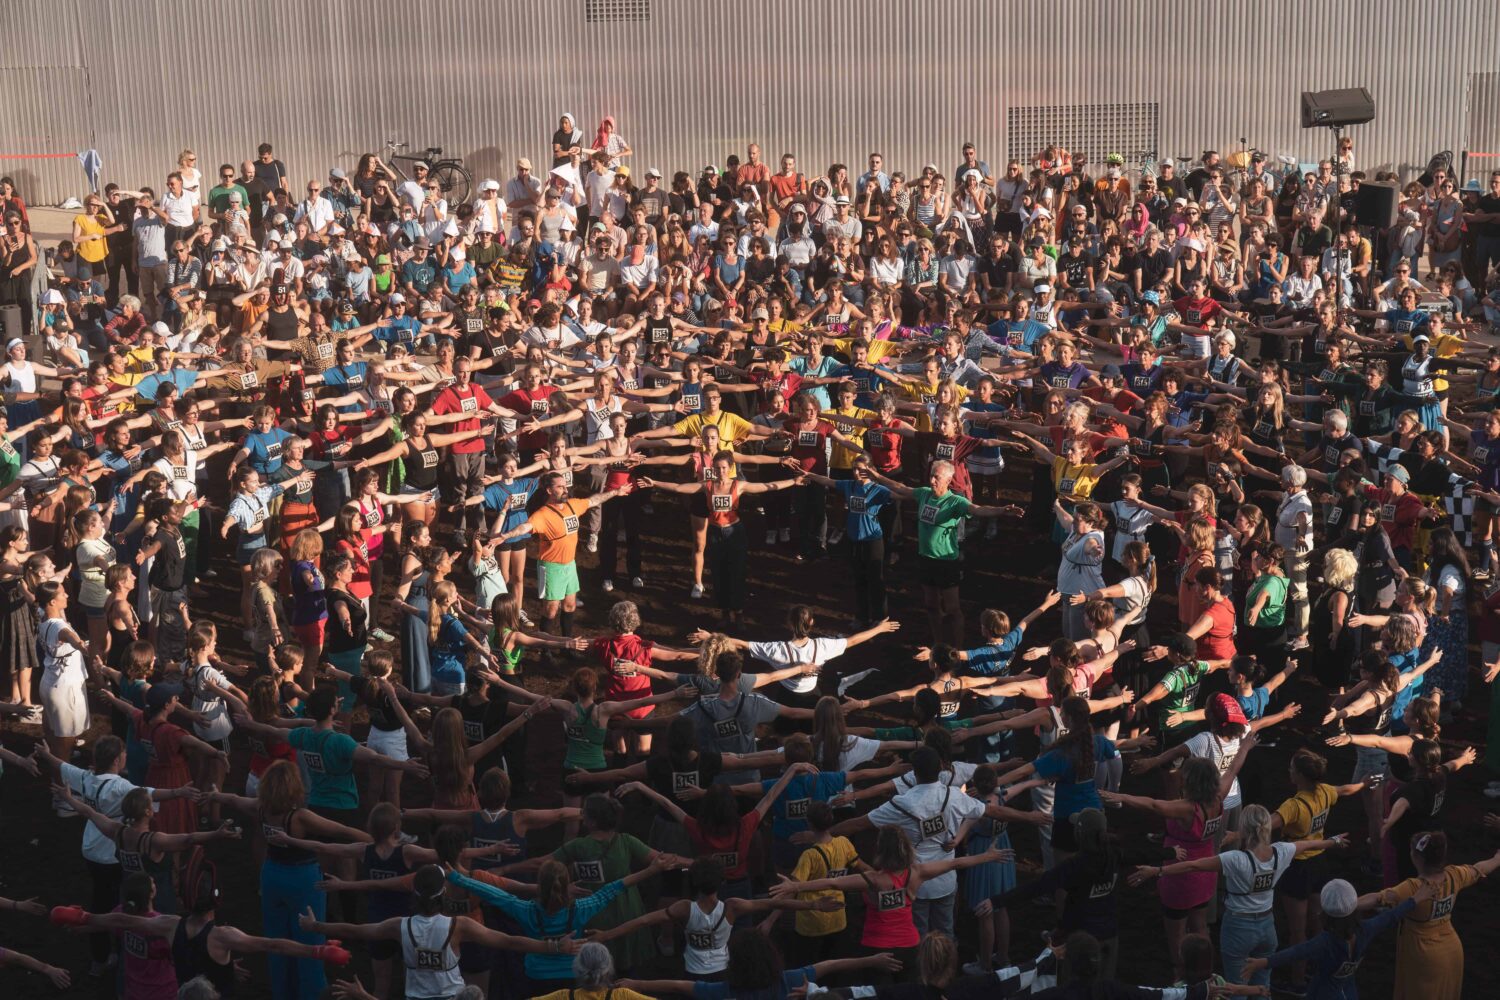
(328, 79)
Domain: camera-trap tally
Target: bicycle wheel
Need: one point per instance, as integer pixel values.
(454, 181)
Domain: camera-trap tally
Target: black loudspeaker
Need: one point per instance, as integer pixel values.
(1375, 205)
(1337, 107)
(11, 324)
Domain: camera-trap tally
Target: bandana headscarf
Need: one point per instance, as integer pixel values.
(601, 137)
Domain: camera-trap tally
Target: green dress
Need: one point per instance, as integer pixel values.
(595, 862)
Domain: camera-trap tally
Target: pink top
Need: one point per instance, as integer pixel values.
(1182, 892)
(149, 972)
(888, 922)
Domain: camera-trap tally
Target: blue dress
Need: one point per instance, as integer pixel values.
(993, 877)
(414, 653)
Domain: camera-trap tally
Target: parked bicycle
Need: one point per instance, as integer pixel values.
(453, 179)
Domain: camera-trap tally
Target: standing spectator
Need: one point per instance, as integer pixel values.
(181, 207)
(149, 230)
(271, 170)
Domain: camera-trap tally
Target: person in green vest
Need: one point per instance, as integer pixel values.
(940, 515)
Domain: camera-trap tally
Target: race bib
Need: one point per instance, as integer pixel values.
(1140, 446)
(797, 808)
(933, 826)
(517, 501)
(1263, 881)
(325, 350)
(473, 731)
(890, 899)
(1388, 512)
(692, 401)
(684, 779)
(807, 439)
(1481, 454)
(726, 728)
(372, 517)
(945, 451)
(729, 859)
(588, 871)
(469, 404)
(539, 407)
(1066, 485)
(430, 960)
(135, 946)
(570, 524)
(857, 504)
(273, 451)
(700, 940)
(927, 514)
(1101, 890)
(1366, 408)
(473, 324)
(313, 761)
(179, 472)
(1442, 908)
(722, 503)
(429, 459)
(249, 380)
(625, 668)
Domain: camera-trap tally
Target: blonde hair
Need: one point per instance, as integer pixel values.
(1255, 827)
(709, 652)
(1200, 535)
(1339, 569)
(444, 596)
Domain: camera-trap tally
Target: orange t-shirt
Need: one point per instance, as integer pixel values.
(555, 527)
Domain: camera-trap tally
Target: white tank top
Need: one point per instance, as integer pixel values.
(707, 940)
(24, 376)
(431, 962)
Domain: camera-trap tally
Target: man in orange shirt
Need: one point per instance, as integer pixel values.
(555, 526)
(786, 188)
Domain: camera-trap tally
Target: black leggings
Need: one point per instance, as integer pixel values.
(105, 897)
(945, 616)
(726, 556)
(812, 504)
(867, 561)
(624, 510)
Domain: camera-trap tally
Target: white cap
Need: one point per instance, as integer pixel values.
(485, 226)
(1168, 162)
(489, 184)
(652, 172)
(1338, 898)
(1042, 288)
(273, 237)
(568, 225)
(161, 329)
(335, 230)
(396, 298)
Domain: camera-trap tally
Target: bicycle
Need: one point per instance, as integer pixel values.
(453, 179)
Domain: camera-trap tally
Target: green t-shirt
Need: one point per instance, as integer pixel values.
(1182, 684)
(938, 518)
(594, 863)
(1273, 613)
(329, 759)
(218, 197)
(913, 733)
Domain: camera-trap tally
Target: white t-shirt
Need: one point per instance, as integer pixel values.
(1288, 535)
(1221, 754)
(1249, 882)
(104, 793)
(930, 815)
(181, 480)
(785, 654)
(1131, 523)
(179, 207)
(218, 726)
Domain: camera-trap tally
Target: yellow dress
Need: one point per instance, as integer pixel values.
(1429, 954)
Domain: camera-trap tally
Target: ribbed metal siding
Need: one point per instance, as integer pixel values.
(325, 80)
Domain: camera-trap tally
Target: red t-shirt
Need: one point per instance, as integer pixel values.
(359, 587)
(470, 400)
(932, 446)
(1399, 515)
(884, 445)
(334, 445)
(535, 402)
(1218, 642)
(619, 655)
(732, 850)
(784, 385)
(1196, 312)
(810, 446)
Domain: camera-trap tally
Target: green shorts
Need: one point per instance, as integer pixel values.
(556, 581)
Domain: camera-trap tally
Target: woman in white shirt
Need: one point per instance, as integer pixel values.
(802, 648)
(1081, 569)
(65, 704)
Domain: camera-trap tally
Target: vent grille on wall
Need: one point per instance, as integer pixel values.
(600, 11)
(1092, 129)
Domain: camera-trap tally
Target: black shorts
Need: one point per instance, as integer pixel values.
(473, 957)
(1304, 877)
(384, 950)
(514, 545)
(1173, 913)
(940, 573)
(1063, 836)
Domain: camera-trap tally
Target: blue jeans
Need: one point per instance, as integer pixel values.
(285, 892)
(933, 915)
(1242, 937)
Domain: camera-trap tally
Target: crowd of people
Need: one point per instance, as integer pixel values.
(1254, 431)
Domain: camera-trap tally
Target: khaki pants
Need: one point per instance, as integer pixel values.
(1296, 574)
(153, 281)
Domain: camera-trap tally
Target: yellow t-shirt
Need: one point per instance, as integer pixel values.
(879, 349)
(90, 249)
(921, 392)
(1444, 345)
(830, 860)
(843, 458)
(1073, 480)
(732, 427)
(1304, 815)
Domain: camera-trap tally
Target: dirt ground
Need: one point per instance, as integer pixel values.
(39, 854)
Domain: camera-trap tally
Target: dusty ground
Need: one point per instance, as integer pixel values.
(39, 853)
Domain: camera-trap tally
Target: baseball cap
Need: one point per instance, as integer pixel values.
(337, 173)
(489, 184)
(1421, 336)
(1151, 297)
(1111, 371)
(384, 258)
(760, 314)
(1399, 473)
(710, 169)
(1043, 287)
(161, 329)
(160, 696)
(1338, 897)
(396, 299)
(335, 230)
(234, 198)
(1223, 710)
(523, 164)
(1179, 201)
(652, 172)
(1169, 162)
(346, 307)
(219, 245)
(622, 171)
(1089, 828)
(799, 208)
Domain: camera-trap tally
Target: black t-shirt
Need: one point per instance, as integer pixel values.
(1076, 269)
(169, 566)
(1153, 267)
(670, 780)
(999, 269)
(1195, 182)
(271, 173)
(1486, 203)
(124, 215)
(259, 191)
(483, 719)
(337, 639)
(1424, 807)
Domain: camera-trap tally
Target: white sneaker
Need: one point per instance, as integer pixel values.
(526, 620)
(771, 537)
(33, 714)
(786, 534)
(974, 969)
(697, 591)
(593, 543)
(607, 586)
(835, 536)
(637, 583)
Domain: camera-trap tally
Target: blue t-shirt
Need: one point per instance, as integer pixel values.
(398, 330)
(328, 758)
(353, 374)
(419, 276)
(789, 812)
(791, 979)
(867, 382)
(1401, 321)
(183, 378)
(994, 660)
(511, 498)
(1254, 704)
(265, 449)
(1074, 793)
(1405, 663)
(1023, 334)
(864, 502)
(458, 279)
(826, 366)
(450, 651)
(1141, 380)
